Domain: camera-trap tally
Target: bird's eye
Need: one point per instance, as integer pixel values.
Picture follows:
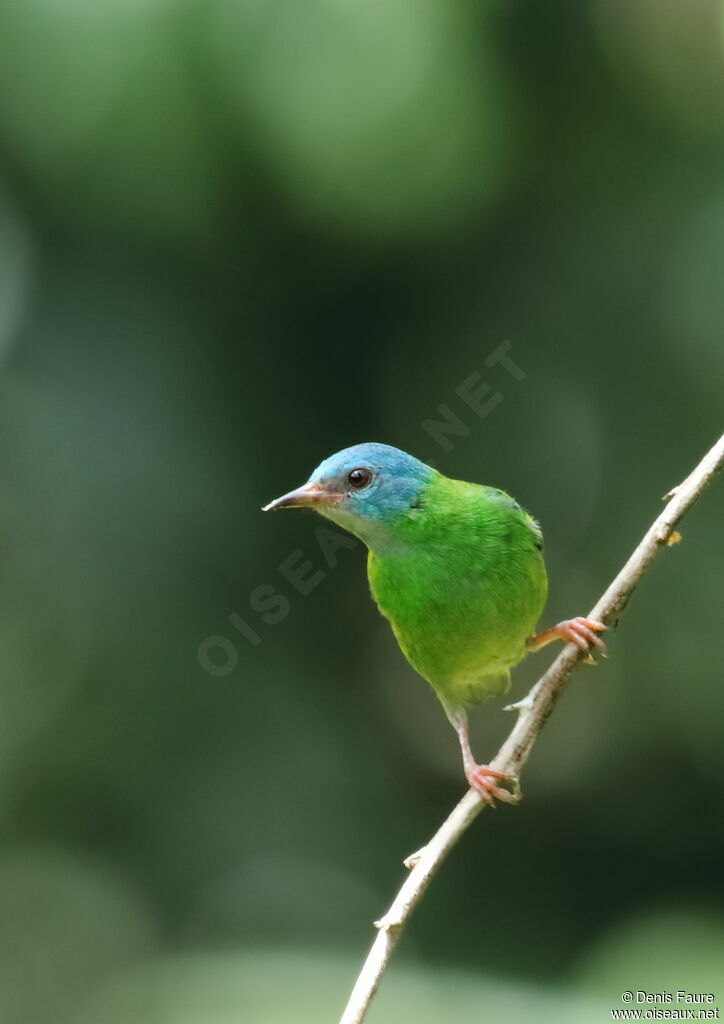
(359, 478)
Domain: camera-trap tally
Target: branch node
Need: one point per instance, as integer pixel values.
(388, 924)
(662, 533)
(413, 859)
(525, 704)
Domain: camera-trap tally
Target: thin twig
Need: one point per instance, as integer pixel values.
(533, 711)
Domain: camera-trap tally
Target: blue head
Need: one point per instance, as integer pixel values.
(363, 488)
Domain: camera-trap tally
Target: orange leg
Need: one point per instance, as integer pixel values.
(481, 777)
(579, 631)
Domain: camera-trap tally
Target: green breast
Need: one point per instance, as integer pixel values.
(463, 585)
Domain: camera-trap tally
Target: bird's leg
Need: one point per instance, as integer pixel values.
(579, 631)
(481, 777)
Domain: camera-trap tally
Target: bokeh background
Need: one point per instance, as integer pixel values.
(235, 236)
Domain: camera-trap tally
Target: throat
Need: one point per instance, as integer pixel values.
(379, 536)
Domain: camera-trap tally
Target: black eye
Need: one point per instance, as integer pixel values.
(359, 477)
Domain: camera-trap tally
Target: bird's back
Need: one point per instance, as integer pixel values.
(463, 584)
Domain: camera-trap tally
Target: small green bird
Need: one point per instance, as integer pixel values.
(456, 568)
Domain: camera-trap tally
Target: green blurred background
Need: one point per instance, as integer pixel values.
(235, 236)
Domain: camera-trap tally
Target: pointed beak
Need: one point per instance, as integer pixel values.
(304, 497)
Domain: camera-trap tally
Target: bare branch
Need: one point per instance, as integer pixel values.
(533, 711)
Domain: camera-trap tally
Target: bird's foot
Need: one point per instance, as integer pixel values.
(579, 631)
(583, 633)
(484, 780)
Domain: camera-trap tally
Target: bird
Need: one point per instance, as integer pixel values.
(458, 571)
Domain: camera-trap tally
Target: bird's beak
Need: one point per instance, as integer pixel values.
(303, 497)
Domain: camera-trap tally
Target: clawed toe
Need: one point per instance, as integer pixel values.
(588, 633)
(579, 631)
(583, 633)
(482, 779)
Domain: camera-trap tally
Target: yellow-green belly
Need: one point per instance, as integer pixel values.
(461, 625)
